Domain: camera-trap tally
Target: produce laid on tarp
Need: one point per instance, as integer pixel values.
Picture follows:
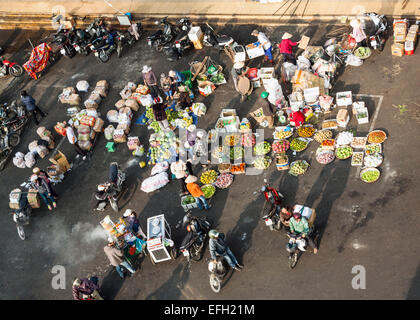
(262, 148)
(306, 131)
(298, 167)
(323, 135)
(236, 153)
(298, 144)
(343, 153)
(369, 175)
(163, 147)
(224, 180)
(325, 156)
(262, 162)
(280, 146)
(344, 138)
(377, 136)
(373, 160)
(188, 200)
(208, 177)
(208, 190)
(232, 140)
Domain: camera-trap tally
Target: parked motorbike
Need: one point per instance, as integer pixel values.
(7, 142)
(162, 37)
(218, 270)
(109, 191)
(193, 244)
(13, 117)
(376, 28)
(11, 68)
(182, 43)
(63, 39)
(211, 39)
(103, 47)
(21, 216)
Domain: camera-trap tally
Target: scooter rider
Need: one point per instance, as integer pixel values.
(219, 248)
(299, 225)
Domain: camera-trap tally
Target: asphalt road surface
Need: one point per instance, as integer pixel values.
(373, 226)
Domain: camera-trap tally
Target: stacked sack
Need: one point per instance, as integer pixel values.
(88, 124)
(69, 96)
(95, 98)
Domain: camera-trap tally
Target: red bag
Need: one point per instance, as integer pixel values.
(88, 121)
(60, 130)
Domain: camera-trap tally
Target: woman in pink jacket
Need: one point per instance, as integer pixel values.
(286, 47)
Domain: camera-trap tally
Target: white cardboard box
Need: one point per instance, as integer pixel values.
(195, 33)
(255, 52)
(362, 120)
(344, 99)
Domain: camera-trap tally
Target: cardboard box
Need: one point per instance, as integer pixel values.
(411, 36)
(343, 118)
(267, 73)
(60, 160)
(359, 116)
(198, 44)
(358, 105)
(195, 33)
(254, 51)
(399, 37)
(414, 28)
(397, 49)
(344, 98)
(304, 42)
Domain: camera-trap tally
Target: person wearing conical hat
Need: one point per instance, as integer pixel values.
(195, 190)
(150, 80)
(239, 70)
(286, 47)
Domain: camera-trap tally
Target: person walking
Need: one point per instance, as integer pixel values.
(44, 190)
(160, 114)
(195, 190)
(286, 48)
(31, 106)
(219, 248)
(265, 43)
(150, 80)
(116, 258)
(44, 175)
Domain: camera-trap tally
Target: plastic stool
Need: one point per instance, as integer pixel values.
(110, 146)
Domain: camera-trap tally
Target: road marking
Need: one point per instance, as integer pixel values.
(372, 125)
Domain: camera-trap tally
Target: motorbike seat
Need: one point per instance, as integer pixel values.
(223, 38)
(156, 35)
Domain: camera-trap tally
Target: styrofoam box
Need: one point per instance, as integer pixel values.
(195, 33)
(344, 98)
(311, 94)
(267, 73)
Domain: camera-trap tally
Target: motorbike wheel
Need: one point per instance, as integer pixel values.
(103, 57)
(215, 283)
(174, 253)
(157, 46)
(293, 259)
(16, 70)
(119, 50)
(195, 253)
(113, 204)
(21, 232)
(277, 226)
(14, 139)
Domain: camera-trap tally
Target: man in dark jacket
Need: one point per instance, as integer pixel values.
(31, 107)
(219, 248)
(88, 287)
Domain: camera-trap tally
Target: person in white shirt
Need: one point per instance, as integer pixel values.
(265, 42)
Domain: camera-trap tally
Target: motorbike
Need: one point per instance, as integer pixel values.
(211, 39)
(9, 67)
(272, 215)
(162, 37)
(193, 244)
(127, 38)
(182, 43)
(109, 191)
(80, 41)
(218, 270)
(104, 46)
(21, 216)
(63, 38)
(7, 142)
(376, 28)
(13, 118)
(295, 246)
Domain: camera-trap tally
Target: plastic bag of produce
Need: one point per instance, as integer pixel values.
(99, 123)
(32, 146)
(354, 61)
(74, 99)
(119, 136)
(124, 126)
(29, 159)
(146, 100)
(85, 145)
(120, 104)
(68, 91)
(83, 129)
(290, 69)
(42, 151)
(154, 182)
(142, 89)
(109, 132)
(102, 91)
(160, 167)
(91, 104)
(88, 121)
(92, 113)
(18, 160)
(125, 93)
(132, 104)
(199, 109)
(102, 83)
(82, 85)
(95, 97)
(112, 116)
(133, 143)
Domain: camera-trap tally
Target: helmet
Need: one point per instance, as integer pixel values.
(101, 187)
(127, 212)
(264, 94)
(263, 188)
(36, 170)
(297, 216)
(213, 234)
(77, 282)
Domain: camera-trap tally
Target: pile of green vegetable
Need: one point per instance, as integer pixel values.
(262, 148)
(298, 167)
(298, 145)
(208, 190)
(344, 152)
(370, 175)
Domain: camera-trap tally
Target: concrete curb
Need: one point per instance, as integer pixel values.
(37, 21)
